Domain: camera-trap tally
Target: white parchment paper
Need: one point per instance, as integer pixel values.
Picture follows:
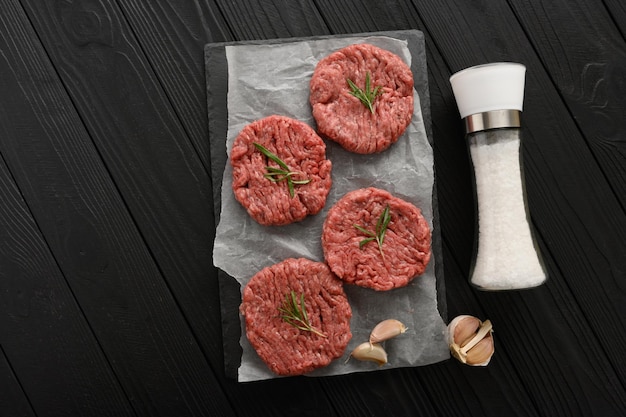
(274, 79)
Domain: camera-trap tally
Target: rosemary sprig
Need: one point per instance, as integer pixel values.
(293, 311)
(379, 234)
(366, 96)
(279, 174)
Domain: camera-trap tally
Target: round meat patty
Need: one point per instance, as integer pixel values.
(406, 247)
(342, 117)
(269, 200)
(286, 349)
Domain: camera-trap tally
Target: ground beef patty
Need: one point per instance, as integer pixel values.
(285, 349)
(406, 244)
(342, 117)
(304, 153)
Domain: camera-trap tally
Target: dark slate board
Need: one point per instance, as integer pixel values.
(216, 67)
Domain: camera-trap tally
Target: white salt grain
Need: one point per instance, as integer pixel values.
(506, 256)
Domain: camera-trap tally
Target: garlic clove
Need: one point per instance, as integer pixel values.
(481, 353)
(372, 352)
(462, 332)
(386, 330)
(466, 329)
(470, 340)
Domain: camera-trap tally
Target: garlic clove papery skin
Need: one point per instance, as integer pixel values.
(471, 340)
(387, 329)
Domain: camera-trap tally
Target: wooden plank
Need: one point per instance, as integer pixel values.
(71, 373)
(307, 396)
(184, 259)
(172, 36)
(93, 238)
(263, 19)
(557, 202)
(588, 71)
(143, 144)
(617, 11)
(13, 401)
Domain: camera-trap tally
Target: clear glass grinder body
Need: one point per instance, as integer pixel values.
(506, 255)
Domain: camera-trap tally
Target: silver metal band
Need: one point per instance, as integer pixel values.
(492, 120)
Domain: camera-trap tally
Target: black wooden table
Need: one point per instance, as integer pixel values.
(109, 301)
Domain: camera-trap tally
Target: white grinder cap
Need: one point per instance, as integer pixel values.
(483, 88)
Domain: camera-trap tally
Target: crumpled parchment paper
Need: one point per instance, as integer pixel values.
(274, 79)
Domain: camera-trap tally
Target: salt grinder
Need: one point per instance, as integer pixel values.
(506, 255)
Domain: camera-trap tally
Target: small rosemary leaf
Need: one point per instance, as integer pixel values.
(381, 229)
(293, 312)
(383, 221)
(366, 96)
(292, 191)
(365, 242)
(276, 170)
(294, 303)
(271, 155)
(305, 317)
(273, 177)
(364, 230)
(354, 90)
(275, 174)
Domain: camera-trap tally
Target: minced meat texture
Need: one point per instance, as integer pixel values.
(342, 117)
(301, 149)
(285, 349)
(406, 245)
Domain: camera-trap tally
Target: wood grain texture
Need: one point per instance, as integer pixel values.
(155, 145)
(580, 179)
(145, 147)
(588, 72)
(617, 10)
(93, 238)
(359, 16)
(165, 218)
(177, 58)
(14, 401)
(263, 19)
(32, 285)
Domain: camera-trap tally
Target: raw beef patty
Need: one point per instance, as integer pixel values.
(406, 244)
(285, 349)
(342, 117)
(301, 149)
